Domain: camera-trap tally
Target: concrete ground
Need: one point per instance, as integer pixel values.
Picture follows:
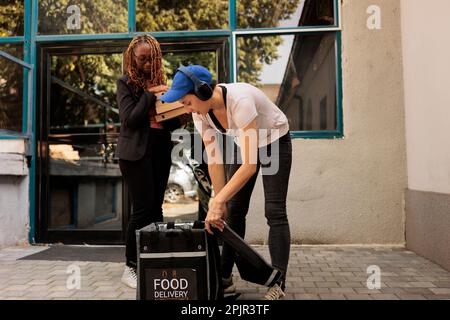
(315, 272)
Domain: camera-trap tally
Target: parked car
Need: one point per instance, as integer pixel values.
(181, 183)
(187, 176)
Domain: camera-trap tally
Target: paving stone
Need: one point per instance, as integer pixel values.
(327, 284)
(304, 296)
(332, 296)
(441, 284)
(358, 296)
(342, 290)
(314, 273)
(295, 290)
(438, 297)
(384, 296)
(312, 279)
(37, 294)
(422, 291)
(350, 284)
(317, 290)
(440, 290)
(405, 296)
(16, 288)
(392, 290)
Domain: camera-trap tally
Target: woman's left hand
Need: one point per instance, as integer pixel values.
(217, 211)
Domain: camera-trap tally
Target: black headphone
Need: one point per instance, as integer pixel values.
(202, 89)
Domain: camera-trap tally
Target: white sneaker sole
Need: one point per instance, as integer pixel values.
(129, 284)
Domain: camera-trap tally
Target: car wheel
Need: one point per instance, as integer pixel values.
(173, 193)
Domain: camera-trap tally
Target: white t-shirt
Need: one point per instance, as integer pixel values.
(245, 103)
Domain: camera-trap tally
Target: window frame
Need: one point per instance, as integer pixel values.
(28, 83)
(337, 30)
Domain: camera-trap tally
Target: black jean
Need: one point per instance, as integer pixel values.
(275, 193)
(147, 181)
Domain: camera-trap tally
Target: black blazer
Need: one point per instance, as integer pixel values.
(134, 119)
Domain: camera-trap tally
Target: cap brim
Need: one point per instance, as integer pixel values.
(173, 95)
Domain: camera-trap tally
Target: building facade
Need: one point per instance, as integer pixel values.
(344, 72)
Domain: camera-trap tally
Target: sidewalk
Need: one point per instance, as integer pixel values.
(315, 272)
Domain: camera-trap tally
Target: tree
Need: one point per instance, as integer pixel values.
(11, 18)
(106, 16)
(253, 52)
(11, 85)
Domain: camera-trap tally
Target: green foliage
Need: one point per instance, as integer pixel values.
(253, 52)
(11, 18)
(11, 88)
(105, 16)
(170, 15)
(96, 75)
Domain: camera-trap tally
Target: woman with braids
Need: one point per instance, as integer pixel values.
(144, 146)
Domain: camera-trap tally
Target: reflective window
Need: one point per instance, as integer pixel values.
(85, 187)
(284, 13)
(83, 92)
(82, 16)
(85, 183)
(174, 15)
(173, 60)
(11, 89)
(11, 18)
(297, 72)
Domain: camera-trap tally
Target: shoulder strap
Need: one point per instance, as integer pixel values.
(224, 94)
(211, 114)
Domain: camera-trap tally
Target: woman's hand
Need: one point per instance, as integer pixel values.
(157, 89)
(217, 212)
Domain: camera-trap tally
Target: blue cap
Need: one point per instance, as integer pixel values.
(182, 84)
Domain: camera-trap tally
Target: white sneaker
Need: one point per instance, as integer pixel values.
(129, 277)
(274, 293)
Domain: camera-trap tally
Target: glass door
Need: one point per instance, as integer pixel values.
(81, 195)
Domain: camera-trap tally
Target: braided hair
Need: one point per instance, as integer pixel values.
(135, 76)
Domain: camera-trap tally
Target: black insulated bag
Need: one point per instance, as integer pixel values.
(251, 265)
(178, 261)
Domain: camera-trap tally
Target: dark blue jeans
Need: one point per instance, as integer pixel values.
(275, 193)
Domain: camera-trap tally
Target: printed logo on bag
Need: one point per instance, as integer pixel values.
(171, 284)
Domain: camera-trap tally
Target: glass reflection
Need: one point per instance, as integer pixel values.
(11, 89)
(82, 16)
(85, 182)
(298, 73)
(284, 13)
(83, 93)
(178, 15)
(11, 18)
(85, 187)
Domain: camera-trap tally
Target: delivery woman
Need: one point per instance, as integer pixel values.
(260, 130)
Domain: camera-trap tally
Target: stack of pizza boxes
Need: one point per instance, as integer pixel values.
(166, 110)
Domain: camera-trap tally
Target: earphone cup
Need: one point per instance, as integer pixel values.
(204, 92)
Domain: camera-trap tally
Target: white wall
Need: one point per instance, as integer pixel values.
(351, 190)
(14, 198)
(426, 55)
